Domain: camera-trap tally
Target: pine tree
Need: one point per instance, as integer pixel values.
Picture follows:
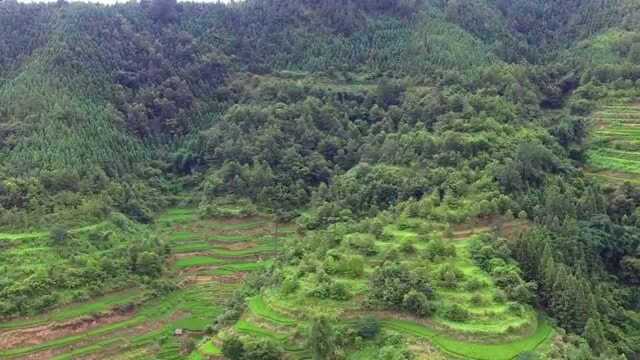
(322, 339)
(546, 274)
(594, 334)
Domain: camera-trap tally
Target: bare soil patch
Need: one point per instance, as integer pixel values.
(239, 245)
(41, 334)
(225, 279)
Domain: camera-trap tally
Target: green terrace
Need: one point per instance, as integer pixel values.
(146, 330)
(615, 148)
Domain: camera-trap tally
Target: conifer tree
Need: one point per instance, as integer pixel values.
(594, 334)
(322, 339)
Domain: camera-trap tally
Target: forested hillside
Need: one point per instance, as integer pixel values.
(327, 179)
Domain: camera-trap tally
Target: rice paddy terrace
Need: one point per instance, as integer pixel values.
(495, 330)
(209, 258)
(615, 154)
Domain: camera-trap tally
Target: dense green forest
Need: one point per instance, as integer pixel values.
(446, 178)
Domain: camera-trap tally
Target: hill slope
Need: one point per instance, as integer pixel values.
(431, 154)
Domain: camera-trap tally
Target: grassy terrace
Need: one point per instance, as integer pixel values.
(208, 253)
(210, 258)
(494, 331)
(615, 152)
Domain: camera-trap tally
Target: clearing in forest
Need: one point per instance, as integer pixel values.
(615, 154)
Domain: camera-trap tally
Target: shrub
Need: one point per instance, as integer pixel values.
(188, 345)
(391, 254)
(477, 300)
(120, 221)
(233, 348)
(456, 312)
(437, 249)
(368, 327)
(339, 291)
(329, 289)
(364, 243)
(59, 235)
(390, 283)
(407, 247)
(474, 285)
(351, 265)
(417, 303)
(289, 286)
(500, 296)
(450, 276)
(262, 350)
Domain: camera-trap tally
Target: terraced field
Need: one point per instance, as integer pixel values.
(495, 331)
(615, 154)
(210, 259)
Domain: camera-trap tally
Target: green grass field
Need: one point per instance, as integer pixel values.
(148, 331)
(615, 143)
(469, 349)
(209, 252)
(494, 330)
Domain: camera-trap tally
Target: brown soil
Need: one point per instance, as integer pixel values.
(426, 351)
(41, 334)
(485, 225)
(257, 231)
(191, 254)
(127, 333)
(225, 279)
(239, 246)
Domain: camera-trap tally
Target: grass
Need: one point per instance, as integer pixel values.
(470, 350)
(149, 333)
(261, 309)
(241, 267)
(616, 141)
(208, 348)
(68, 340)
(95, 306)
(198, 261)
(494, 330)
(249, 328)
(191, 308)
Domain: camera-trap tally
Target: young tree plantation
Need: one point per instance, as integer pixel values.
(320, 179)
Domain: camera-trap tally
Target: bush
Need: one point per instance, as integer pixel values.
(289, 286)
(262, 350)
(477, 300)
(368, 327)
(339, 291)
(500, 296)
(417, 303)
(233, 348)
(120, 221)
(364, 243)
(59, 235)
(329, 289)
(474, 285)
(188, 345)
(407, 247)
(351, 265)
(450, 276)
(390, 283)
(437, 249)
(456, 312)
